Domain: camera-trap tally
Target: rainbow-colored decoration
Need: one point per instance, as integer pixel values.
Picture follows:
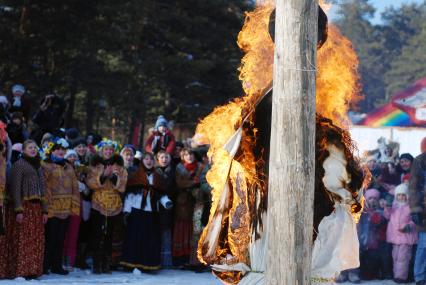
(387, 116)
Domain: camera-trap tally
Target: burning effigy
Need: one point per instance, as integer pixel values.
(233, 242)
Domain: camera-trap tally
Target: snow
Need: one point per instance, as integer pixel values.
(163, 277)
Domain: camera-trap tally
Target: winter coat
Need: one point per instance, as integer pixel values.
(25, 107)
(417, 198)
(106, 197)
(26, 183)
(49, 120)
(3, 166)
(188, 191)
(17, 133)
(158, 141)
(372, 223)
(399, 217)
(144, 188)
(168, 175)
(62, 194)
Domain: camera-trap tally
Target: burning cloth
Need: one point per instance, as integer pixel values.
(234, 240)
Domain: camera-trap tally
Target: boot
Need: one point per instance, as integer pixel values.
(81, 256)
(106, 265)
(97, 263)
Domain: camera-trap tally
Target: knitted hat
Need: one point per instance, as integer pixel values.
(78, 141)
(161, 121)
(18, 88)
(72, 133)
(17, 147)
(401, 189)
(69, 153)
(128, 147)
(138, 155)
(17, 115)
(372, 193)
(407, 156)
(3, 100)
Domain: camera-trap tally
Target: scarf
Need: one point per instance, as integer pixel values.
(191, 167)
(57, 160)
(33, 161)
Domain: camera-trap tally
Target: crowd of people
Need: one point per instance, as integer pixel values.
(391, 229)
(71, 201)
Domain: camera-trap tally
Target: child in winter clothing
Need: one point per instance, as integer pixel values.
(161, 138)
(372, 224)
(401, 232)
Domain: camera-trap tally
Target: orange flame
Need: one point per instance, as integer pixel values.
(337, 78)
(337, 87)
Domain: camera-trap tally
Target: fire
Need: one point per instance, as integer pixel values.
(325, 6)
(234, 176)
(337, 78)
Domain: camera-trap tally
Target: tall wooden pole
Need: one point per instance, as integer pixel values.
(292, 152)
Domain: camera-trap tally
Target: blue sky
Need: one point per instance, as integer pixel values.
(380, 5)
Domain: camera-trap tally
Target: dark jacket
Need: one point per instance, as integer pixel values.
(417, 197)
(27, 183)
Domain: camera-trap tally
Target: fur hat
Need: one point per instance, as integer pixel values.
(401, 189)
(407, 156)
(18, 88)
(69, 153)
(372, 192)
(161, 121)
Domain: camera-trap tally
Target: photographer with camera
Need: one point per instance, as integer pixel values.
(49, 117)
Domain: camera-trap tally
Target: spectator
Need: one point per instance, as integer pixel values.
(16, 128)
(176, 156)
(71, 235)
(161, 138)
(63, 198)
(72, 135)
(49, 117)
(26, 232)
(416, 198)
(371, 225)
(405, 162)
(128, 155)
(4, 114)
(107, 178)
(19, 102)
(82, 170)
(189, 210)
(142, 246)
(16, 152)
(4, 244)
(165, 169)
(401, 233)
(80, 147)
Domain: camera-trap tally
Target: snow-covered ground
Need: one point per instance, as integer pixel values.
(163, 277)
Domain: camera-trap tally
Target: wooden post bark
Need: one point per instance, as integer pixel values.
(292, 152)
